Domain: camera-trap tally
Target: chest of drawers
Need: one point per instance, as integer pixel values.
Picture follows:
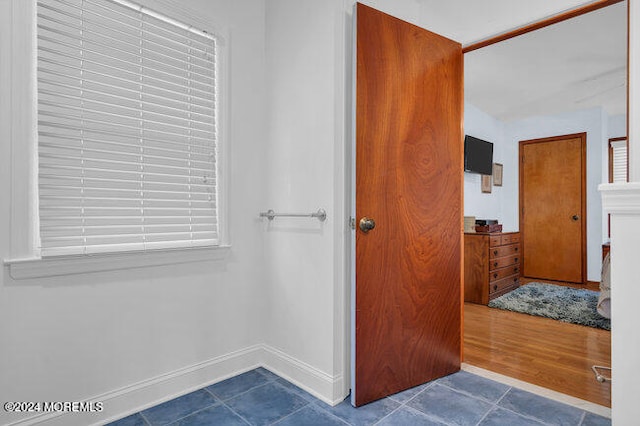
(491, 265)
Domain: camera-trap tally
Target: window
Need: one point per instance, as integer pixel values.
(618, 166)
(128, 129)
(618, 162)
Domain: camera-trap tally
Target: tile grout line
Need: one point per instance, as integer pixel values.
(509, 388)
(308, 403)
(544, 422)
(404, 404)
(493, 408)
(237, 395)
(236, 413)
(320, 405)
(584, 416)
(392, 411)
(470, 395)
(526, 416)
(224, 402)
(192, 413)
(431, 416)
(144, 418)
(495, 405)
(271, 380)
(289, 415)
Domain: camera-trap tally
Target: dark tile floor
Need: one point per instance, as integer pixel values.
(259, 397)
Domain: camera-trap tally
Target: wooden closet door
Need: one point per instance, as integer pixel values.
(553, 208)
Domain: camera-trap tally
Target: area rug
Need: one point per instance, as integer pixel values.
(577, 306)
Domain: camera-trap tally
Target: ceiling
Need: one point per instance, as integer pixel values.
(576, 64)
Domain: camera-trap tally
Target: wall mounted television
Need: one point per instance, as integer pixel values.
(478, 155)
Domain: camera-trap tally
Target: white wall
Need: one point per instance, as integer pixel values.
(75, 337)
(306, 258)
(617, 126)
(484, 205)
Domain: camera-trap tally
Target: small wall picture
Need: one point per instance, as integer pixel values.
(485, 184)
(497, 174)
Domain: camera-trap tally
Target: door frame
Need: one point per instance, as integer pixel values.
(583, 195)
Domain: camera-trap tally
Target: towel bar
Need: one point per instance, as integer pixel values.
(321, 214)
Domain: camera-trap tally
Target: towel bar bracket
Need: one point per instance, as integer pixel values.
(598, 371)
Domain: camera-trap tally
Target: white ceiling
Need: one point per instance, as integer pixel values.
(468, 21)
(576, 64)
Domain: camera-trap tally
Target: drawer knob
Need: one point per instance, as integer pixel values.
(495, 287)
(495, 275)
(515, 280)
(515, 269)
(516, 249)
(516, 259)
(495, 264)
(495, 252)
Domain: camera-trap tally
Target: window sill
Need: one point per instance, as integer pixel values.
(68, 265)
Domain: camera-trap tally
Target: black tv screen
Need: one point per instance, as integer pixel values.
(478, 156)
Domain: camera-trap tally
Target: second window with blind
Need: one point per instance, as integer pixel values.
(618, 161)
(128, 129)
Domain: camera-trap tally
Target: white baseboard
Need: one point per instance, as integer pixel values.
(142, 395)
(327, 388)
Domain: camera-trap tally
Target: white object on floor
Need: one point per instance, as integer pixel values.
(604, 300)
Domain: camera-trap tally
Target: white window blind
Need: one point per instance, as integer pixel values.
(127, 129)
(619, 160)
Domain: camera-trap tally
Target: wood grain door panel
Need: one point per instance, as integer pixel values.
(409, 180)
(553, 209)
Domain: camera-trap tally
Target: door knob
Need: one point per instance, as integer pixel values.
(367, 224)
(575, 217)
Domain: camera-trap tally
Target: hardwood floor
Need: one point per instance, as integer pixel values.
(545, 352)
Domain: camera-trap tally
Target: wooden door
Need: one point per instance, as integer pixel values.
(409, 178)
(553, 208)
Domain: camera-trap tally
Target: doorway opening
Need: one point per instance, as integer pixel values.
(490, 335)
